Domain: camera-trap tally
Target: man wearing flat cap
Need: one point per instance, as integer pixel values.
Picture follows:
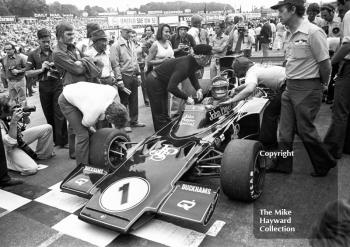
(87, 42)
(166, 77)
(308, 70)
(126, 69)
(40, 64)
(98, 51)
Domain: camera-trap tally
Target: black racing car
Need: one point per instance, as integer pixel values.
(128, 185)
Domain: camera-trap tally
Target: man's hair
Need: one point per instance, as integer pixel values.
(63, 27)
(299, 9)
(333, 228)
(152, 28)
(118, 114)
(342, 2)
(11, 44)
(4, 104)
(159, 34)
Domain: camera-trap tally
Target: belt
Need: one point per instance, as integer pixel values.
(308, 79)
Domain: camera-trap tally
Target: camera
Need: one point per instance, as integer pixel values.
(53, 73)
(29, 108)
(11, 68)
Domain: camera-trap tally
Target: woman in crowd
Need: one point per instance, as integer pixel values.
(161, 50)
(146, 43)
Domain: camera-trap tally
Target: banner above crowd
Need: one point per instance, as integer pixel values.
(117, 21)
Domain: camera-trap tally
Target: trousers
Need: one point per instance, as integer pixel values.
(74, 117)
(49, 93)
(130, 101)
(18, 160)
(158, 98)
(338, 134)
(300, 103)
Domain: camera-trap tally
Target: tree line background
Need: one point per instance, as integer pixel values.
(27, 8)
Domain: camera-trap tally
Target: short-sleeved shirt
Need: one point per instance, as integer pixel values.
(346, 31)
(221, 41)
(17, 61)
(305, 48)
(272, 77)
(35, 60)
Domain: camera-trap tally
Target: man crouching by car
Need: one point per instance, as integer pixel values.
(19, 156)
(84, 104)
(273, 78)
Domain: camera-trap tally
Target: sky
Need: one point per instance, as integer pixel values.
(123, 5)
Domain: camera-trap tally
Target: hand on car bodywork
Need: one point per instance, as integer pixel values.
(199, 94)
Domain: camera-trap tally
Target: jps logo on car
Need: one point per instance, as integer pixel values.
(187, 205)
(160, 154)
(81, 181)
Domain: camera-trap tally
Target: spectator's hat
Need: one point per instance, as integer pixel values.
(202, 49)
(183, 24)
(98, 34)
(328, 7)
(292, 2)
(126, 28)
(90, 27)
(42, 33)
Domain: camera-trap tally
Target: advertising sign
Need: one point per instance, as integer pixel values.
(132, 20)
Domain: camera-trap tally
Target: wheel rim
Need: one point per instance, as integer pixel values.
(258, 175)
(117, 151)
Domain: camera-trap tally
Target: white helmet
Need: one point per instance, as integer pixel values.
(219, 88)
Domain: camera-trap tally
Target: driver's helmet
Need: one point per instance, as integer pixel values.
(219, 88)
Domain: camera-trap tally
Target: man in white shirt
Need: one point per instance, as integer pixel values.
(337, 139)
(83, 104)
(273, 78)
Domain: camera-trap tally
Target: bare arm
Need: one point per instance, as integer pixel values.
(150, 59)
(325, 71)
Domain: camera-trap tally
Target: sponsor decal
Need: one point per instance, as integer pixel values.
(187, 119)
(81, 181)
(161, 154)
(197, 189)
(124, 194)
(214, 114)
(89, 169)
(187, 205)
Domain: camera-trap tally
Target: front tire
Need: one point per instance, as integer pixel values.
(108, 148)
(243, 170)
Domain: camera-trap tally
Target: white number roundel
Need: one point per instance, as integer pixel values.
(124, 194)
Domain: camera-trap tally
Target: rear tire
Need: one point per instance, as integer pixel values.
(108, 148)
(243, 170)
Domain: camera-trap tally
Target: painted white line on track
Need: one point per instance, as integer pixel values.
(64, 201)
(93, 234)
(55, 186)
(215, 228)
(50, 240)
(169, 234)
(10, 201)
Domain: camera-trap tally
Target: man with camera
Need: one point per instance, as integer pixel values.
(13, 65)
(16, 138)
(40, 64)
(241, 40)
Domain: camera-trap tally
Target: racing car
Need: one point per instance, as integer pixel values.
(129, 183)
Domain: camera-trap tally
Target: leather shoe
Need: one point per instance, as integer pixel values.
(11, 182)
(127, 129)
(138, 124)
(319, 174)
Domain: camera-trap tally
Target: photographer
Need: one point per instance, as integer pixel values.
(40, 64)
(242, 40)
(16, 140)
(182, 42)
(13, 65)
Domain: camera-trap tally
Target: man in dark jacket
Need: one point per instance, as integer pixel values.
(265, 38)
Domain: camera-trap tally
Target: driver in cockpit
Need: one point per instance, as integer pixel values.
(219, 92)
